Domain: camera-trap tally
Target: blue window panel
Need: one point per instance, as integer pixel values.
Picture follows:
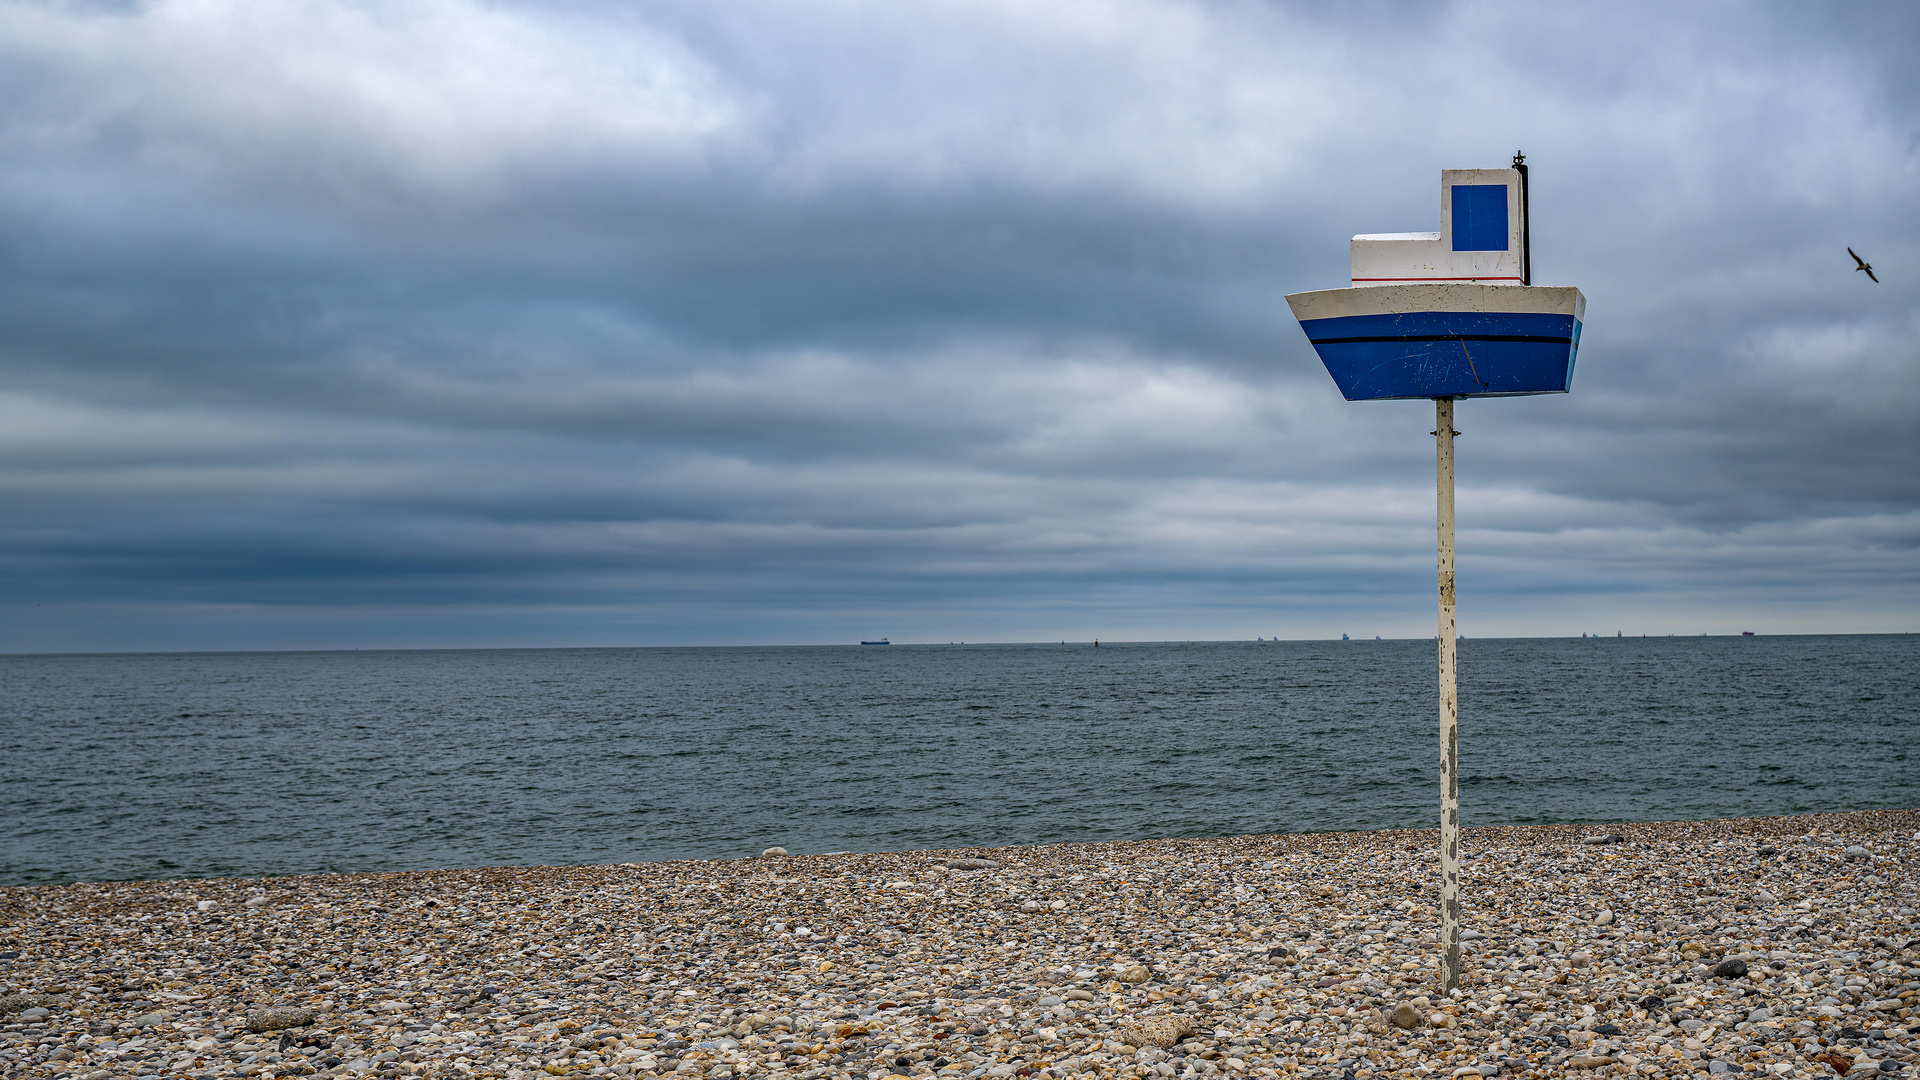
(1479, 217)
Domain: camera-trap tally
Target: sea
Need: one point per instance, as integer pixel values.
(163, 766)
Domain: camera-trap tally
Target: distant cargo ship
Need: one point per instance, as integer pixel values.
(882, 641)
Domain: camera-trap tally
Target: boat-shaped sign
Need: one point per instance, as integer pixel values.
(1448, 314)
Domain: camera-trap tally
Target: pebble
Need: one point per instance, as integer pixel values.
(1160, 1031)
(773, 852)
(1730, 969)
(276, 1019)
(1605, 918)
(1257, 956)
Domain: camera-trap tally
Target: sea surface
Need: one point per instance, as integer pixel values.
(116, 767)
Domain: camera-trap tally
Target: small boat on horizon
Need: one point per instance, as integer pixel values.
(882, 641)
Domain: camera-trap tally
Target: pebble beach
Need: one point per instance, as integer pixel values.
(1770, 946)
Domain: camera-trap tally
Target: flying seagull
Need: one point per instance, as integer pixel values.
(1864, 265)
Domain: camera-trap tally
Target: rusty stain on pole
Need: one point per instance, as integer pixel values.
(1443, 434)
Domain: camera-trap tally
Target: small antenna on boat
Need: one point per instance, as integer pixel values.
(1526, 233)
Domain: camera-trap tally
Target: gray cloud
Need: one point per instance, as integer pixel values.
(451, 323)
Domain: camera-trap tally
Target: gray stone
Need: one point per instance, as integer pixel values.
(35, 1013)
(1759, 1016)
(1605, 918)
(13, 1003)
(147, 1020)
(1405, 1015)
(277, 1018)
(1730, 969)
(1857, 853)
(973, 864)
(1604, 838)
(1716, 1067)
(1580, 959)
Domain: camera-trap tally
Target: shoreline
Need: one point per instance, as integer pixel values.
(1287, 954)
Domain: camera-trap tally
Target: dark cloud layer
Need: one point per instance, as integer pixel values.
(460, 323)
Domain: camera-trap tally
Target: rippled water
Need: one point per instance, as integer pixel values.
(151, 766)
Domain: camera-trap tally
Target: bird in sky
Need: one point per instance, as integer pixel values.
(1864, 265)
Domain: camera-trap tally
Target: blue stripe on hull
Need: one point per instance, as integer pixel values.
(1429, 354)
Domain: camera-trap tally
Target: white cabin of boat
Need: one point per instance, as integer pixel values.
(1482, 237)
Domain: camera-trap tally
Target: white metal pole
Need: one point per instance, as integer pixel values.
(1449, 706)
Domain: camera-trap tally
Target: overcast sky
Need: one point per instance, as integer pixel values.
(329, 324)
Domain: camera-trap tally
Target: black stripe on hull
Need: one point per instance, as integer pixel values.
(1528, 338)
